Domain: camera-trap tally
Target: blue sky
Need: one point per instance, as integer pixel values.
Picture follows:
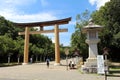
(46, 10)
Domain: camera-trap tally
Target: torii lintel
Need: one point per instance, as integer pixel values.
(46, 23)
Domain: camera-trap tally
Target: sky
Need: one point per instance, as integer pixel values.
(22, 11)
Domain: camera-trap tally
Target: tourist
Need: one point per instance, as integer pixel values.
(73, 64)
(70, 65)
(47, 62)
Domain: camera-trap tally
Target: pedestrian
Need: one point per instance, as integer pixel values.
(31, 60)
(73, 64)
(70, 64)
(47, 62)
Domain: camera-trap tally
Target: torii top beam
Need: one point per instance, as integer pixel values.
(46, 23)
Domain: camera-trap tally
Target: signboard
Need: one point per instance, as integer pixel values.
(66, 51)
(100, 64)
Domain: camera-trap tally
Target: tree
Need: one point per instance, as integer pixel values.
(108, 16)
(37, 51)
(7, 46)
(8, 27)
(42, 44)
(78, 38)
(11, 42)
(8, 33)
(19, 47)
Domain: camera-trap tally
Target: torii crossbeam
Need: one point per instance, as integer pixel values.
(56, 30)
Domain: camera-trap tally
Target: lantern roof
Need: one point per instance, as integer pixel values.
(91, 26)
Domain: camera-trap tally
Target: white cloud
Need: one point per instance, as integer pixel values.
(17, 17)
(98, 3)
(10, 10)
(16, 2)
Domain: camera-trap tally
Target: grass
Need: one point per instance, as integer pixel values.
(114, 69)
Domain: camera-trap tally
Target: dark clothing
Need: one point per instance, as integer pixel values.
(70, 64)
(47, 61)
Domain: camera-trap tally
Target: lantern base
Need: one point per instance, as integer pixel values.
(90, 66)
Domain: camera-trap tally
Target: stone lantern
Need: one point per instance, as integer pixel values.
(91, 30)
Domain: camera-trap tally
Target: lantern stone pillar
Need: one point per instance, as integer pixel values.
(91, 30)
(57, 50)
(26, 46)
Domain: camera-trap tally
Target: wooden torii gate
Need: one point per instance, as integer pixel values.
(56, 30)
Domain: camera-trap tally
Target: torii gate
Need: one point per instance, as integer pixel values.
(56, 24)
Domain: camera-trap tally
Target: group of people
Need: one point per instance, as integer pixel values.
(72, 65)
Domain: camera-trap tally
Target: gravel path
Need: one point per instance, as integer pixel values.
(39, 71)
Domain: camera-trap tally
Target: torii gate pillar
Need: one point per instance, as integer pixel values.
(57, 50)
(26, 45)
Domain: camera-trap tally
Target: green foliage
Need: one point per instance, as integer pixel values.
(19, 46)
(78, 38)
(108, 16)
(6, 44)
(7, 27)
(11, 42)
(41, 42)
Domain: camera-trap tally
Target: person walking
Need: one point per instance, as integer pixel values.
(70, 65)
(73, 64)
(47, 62)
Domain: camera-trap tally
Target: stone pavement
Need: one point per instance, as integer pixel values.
(39, 71)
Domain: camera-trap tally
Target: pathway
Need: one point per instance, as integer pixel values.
(39, 71)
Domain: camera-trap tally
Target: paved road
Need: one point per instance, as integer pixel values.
(39, 71)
